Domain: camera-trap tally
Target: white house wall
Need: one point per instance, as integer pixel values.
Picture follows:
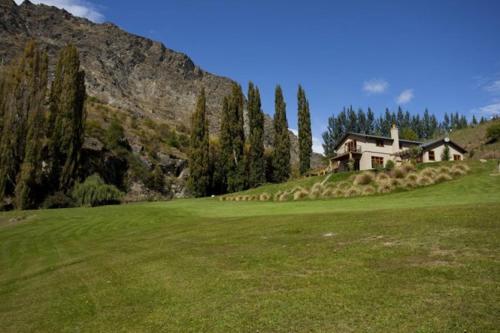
(438, 152)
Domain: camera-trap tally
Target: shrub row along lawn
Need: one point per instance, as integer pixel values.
(424, 260)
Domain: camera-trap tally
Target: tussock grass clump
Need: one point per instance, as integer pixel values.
(328, 193)
(352, 191)
(442, 176)
(338, 193)
(382, 177)
(300, 194)
(463, 167)
(343, 185)
(412, 177)
(277, 195)
(399, 172)
(285, 196)
(425, 180)
(384, 187)
(265, 197)
(397, 182)
(443, 169)
(407, 167)
(316, 191)
(368, 190)
(363, 179)
(456, 172)
(428, 172)
(410, 183)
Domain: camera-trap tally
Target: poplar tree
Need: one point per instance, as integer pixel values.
(257, 167)
(281, 152)
(236, 176)
(29, 181)
(67, 118)
(305, 135)
(199, 179)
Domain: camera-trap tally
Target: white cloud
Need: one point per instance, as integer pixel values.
(81, 8)
(318, 145)
(488, 110)
(375, 86)
(405, 97)
(493, 87)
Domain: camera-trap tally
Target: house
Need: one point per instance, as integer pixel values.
(365, 152)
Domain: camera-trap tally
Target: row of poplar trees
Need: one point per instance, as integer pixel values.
(41, 128)
(237, 159)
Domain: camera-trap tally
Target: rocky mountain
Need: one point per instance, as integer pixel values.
(137, 77)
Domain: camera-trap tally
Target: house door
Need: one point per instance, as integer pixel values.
(356, 164)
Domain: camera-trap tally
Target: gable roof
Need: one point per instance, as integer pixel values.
(369, 136)
(432, 144)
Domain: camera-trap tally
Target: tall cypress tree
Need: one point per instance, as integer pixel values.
(232, 140)
(281, 152)
(199, 180)
(29, 181)
(67, 118)
(305, 135)
(257, 167)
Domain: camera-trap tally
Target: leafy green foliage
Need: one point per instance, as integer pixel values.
(58, 200)
(281, 152)
(305, 134)
(94, 192)
(408, 134)
(256, 162)
(199, 180)
(445, 156)
(389, 165)
(493, 132)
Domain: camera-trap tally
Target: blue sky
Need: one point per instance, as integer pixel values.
(443, 55)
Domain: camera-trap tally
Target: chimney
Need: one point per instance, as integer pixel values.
(395, 137)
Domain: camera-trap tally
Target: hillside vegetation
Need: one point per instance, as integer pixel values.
(424, 260)
(474, 140)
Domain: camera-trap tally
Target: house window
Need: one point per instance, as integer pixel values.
(457, 157)
(432, 157)
(351, 146)
(377, 162)
(379, 143)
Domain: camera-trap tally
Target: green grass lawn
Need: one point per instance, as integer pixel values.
(426, 260)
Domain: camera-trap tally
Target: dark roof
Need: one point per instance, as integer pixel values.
(435, 143)
(369, 136)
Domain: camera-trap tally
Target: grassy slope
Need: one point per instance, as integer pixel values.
(473, 139)
(420, 261)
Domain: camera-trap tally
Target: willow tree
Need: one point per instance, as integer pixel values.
(199, 179)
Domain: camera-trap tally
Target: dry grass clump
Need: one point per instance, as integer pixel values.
(428, 172)
(276, 196)
(407, 167)
(444, 169)
(442, 176)
(364, 178)
(399, 172)
(384, 187)
(343, 185)
(463, 167)
(300, 194)
(285, 196)
(368, 190)
(338, 193)
(424, 180)
(328, 192)
(352, 191)
(382, 177)
(412, 177)
(456, 172)
(397, 182)
(265, 197)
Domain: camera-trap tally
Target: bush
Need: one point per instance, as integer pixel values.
(368, 190)
(94, 192)
(456, 172)
(493, 132)
(428, 172)
(389, 165)
(363, 179)
(352, 192)
(412, 177)
(265, 197)
(407, 167)
(384, 187)
(424, 180)
(382, 177)
(399, 173)
(300, 194)
(338, 193)
(441, 177)
(58, 200)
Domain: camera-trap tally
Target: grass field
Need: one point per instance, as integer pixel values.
(426, 260)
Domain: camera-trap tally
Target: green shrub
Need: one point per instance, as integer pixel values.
(493, 132)
(94, 192)
(389, 165)
(58, 200)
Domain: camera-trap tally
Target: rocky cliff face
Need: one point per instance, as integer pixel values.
(139, 77)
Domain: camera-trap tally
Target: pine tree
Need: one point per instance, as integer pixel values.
(370, 121)
(257, 167)
(67, 118)
(28, 187)
(305, 135)
(281, 152)
(474, 120)
(199, 179)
